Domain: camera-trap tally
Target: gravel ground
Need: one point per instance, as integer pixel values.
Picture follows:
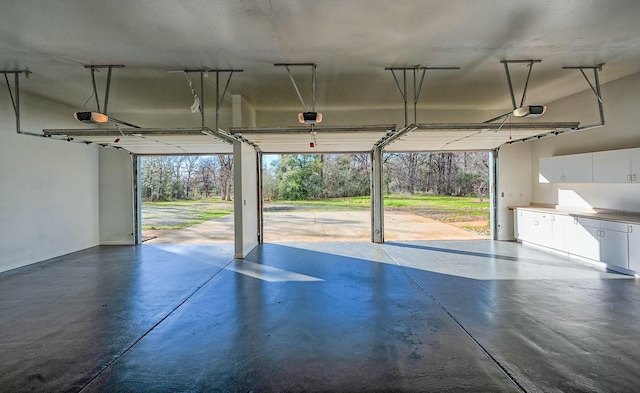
(303, 223)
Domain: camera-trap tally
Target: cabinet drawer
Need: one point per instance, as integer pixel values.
(614, 226)
(589, 222)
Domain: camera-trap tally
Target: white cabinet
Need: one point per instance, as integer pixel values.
(535, 227)
(578, 168)
(588, 238)
(604, 241)
(565, 231)
(550, 170)
(634, 247)
(575, 168)
(612, 242)
(616, 166)
(611, 166)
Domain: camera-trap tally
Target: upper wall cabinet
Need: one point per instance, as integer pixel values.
(575, 168)
(616, 166)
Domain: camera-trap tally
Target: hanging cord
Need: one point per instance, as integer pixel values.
(196, 101)
(314, 143)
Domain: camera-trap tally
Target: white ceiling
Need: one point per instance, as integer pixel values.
(351, 42)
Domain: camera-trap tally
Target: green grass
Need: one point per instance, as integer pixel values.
(191, 212)
(392, 201)
(198, 217)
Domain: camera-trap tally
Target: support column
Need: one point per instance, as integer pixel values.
(245, 194)
(493, 194)
(377, 197)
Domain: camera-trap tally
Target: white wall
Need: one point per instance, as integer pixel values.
(48, 188)
(514, 185)
(244, 115)
(116, 197)
(622, 130)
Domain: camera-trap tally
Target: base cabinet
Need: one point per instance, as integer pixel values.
(614, 243)
(536, 228)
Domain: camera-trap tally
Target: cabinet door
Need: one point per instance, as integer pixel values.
(570, 234)
(614, 248)
(542, 229)
(612, 166)
(550, 170)
(588, 238)
(578, 168)
(559, 225)
(635, 165)
(634, 248)
(535, 227)
(546, 233)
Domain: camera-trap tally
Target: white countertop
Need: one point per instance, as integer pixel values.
(600, 214)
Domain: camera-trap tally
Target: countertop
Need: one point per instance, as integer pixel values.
(600, 214)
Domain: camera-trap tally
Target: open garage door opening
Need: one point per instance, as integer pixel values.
(316, 197)
(186, 199)
(436, 196)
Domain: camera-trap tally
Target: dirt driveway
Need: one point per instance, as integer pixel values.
(320, 226)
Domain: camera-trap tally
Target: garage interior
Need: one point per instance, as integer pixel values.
(551, 303)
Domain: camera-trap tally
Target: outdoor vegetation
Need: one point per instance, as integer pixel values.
(449, 187)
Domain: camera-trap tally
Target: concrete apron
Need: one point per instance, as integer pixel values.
(322, 226)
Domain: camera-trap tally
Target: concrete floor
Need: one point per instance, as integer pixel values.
(414, 316)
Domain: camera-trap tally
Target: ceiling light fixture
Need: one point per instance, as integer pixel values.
(310, 117)
(530, 111)
(91, 117)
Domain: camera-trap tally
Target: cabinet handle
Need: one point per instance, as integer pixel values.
(633, 177)
(629, 177)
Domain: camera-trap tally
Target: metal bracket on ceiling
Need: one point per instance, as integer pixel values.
(219, 97)
(15, 96)
(417, 86)
(595, 89)
(314, 68)
(526, 84)
(107, 90)
(417, 89)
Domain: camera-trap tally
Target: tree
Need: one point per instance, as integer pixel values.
(299, 177)
(226, 175)
(190, 166)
